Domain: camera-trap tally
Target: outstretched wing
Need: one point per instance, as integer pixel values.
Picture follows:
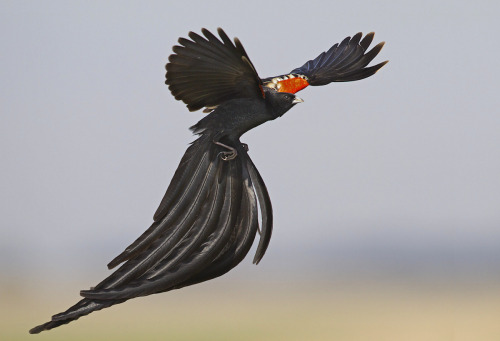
(205, 71)
(343, 62)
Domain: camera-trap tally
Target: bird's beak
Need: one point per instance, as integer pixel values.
(298, 100)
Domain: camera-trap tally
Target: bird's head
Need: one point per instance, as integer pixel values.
(281, 102)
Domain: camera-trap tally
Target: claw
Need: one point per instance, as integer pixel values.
(227, 156)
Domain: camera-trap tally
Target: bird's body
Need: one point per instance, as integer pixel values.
(236, 117)
(208, 218)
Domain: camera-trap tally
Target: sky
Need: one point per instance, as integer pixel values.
(402, 166)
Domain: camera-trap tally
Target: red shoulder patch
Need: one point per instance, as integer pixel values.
(292, 85)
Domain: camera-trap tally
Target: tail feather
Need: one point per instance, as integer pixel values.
(169, 277)
(176, 226)
(82, 308)
(266, 211)
(243, 234)
(187, 176)
(215, 224)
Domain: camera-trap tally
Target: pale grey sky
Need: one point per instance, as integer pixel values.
(90, 135)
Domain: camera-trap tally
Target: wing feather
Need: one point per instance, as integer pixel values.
(207, 71)
(343, 62)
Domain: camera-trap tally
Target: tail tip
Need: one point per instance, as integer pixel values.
(38, 329)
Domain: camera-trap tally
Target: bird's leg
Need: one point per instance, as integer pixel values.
(227, 156)
(245, 146)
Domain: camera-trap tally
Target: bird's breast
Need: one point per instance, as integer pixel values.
(234, 118)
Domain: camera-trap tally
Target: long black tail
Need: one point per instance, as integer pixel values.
(205, 225)
(82, 308)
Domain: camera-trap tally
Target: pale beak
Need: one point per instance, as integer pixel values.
(298, 100)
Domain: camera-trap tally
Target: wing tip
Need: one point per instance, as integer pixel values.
(380, 65)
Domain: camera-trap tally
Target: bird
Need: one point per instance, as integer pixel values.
(209, 218)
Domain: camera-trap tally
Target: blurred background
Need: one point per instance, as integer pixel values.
(386, 191)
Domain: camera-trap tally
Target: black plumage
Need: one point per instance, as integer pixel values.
(208, 218)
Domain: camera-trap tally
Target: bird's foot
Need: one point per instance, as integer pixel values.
(227, 156)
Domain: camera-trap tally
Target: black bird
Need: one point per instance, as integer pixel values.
(208, 218)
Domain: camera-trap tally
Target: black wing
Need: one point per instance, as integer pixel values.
(343, 62)
(205, 71)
